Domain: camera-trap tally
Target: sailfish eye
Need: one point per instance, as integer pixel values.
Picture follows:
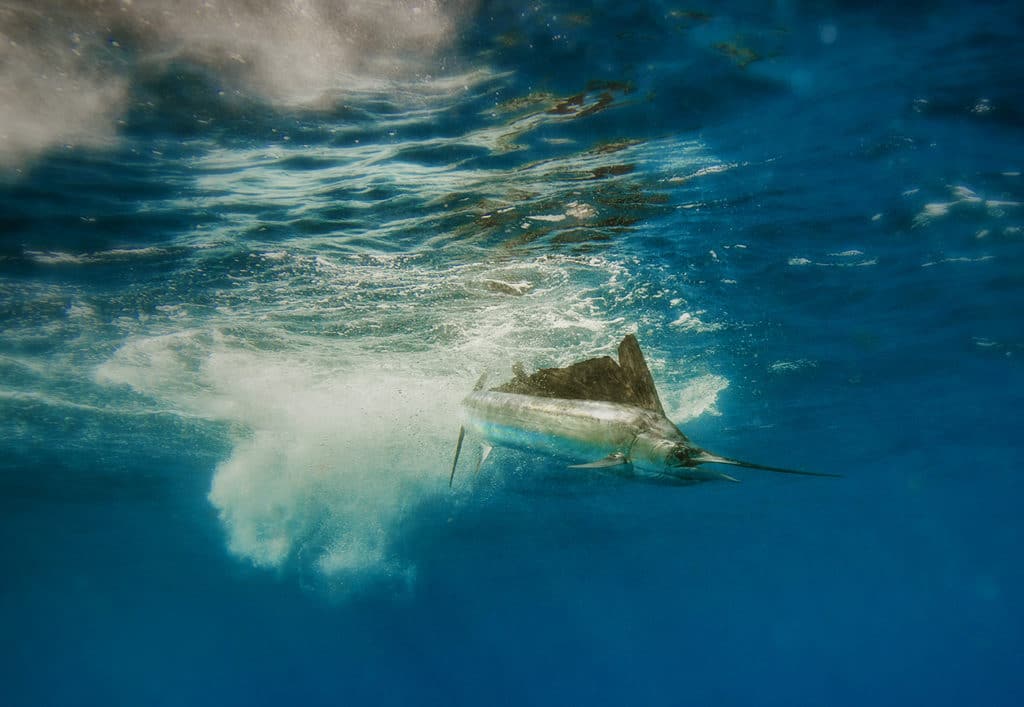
(683, 455)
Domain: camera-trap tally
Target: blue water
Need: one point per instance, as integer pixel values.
(253, 257)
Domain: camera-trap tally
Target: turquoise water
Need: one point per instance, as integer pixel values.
(253, 258)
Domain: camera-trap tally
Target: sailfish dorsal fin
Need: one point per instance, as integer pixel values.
(638, 375)
(627, 381)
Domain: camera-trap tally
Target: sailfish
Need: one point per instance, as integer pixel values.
(599, 414)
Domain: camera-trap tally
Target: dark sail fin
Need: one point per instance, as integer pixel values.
(631, 359)
(627, 381)
(481, 382)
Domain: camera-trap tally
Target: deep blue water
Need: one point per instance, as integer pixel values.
(252, 258)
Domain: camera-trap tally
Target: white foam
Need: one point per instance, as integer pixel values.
(332, 466)
(698, 397)
(980, 259)
(323, 463)
(580, 210)
(692, 323)
(847, 254)
(54, 257)
(53, 92)
(703, 172)
(932, 211)
(57, 257)
(79, 310)
(788, 366)
(23, 396)
(962, 197)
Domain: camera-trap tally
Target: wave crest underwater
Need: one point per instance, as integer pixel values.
(68, 69)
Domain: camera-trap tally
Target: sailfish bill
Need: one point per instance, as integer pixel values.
(708, 458)
(600, 413)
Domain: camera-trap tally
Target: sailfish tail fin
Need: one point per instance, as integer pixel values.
(708, 458)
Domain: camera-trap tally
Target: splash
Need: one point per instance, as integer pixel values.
(698, 397)
(325, 461)
(333, 447)
(67, 68)
(49, 93)
(332, 469)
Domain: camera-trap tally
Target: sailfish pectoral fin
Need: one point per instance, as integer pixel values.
(485, 452)
(612, 460)
(708, 458)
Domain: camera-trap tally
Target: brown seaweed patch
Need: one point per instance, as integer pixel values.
(583, 104)
(515, 105)
(526, 237)
(612, 170)
(617, 222)
(631, 198)
(598, 95)
(580, 235)
(515, 194)
(607, 148)
(568, 105)
(602, 102)
(741, 55)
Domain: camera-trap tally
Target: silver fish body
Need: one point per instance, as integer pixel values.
(585, 430)
(599, 414)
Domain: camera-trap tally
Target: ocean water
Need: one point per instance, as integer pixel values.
(254, 254)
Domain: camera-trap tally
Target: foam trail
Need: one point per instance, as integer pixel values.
(336, 471)
(323, 465)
